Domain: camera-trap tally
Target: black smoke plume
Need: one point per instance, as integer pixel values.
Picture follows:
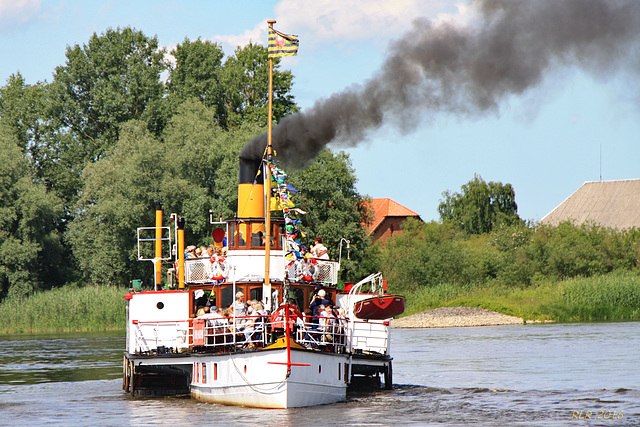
(466, 69)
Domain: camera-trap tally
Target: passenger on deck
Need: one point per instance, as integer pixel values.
(327, 319)
(190, 252)
(327, 325)
(204, 253)
(251, 307)
(306, 323)
(210, 313)
(222, 326)
(239, 306)
(303, 254)
(255, 326)
(199, 300)
(319, 299)
(223, 321)
(307, 313)
(319, 250)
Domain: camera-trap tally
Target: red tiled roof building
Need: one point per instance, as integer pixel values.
(388, 217)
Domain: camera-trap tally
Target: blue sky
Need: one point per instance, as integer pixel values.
(570, 129)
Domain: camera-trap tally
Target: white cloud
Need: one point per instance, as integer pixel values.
(256, 35)
(15, 13)
(355, 19)
(320, 21)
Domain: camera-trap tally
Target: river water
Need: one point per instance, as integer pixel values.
(584, 374)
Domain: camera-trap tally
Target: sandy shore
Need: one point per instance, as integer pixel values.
(455, 316)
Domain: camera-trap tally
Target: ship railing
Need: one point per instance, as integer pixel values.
(199, 270)
(246, 332)
(229, 333)
(249, 332)
(151, 336)
(368, 337)
(238, 266)
(320, 270)
(141, 345)
(318, 333)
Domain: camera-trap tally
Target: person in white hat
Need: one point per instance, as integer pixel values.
(318, 300)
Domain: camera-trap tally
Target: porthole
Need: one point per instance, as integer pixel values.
(160, 305)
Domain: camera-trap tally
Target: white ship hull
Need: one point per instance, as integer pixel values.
(259, 379)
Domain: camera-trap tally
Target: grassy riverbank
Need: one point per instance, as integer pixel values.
(609, 297)
(68, 309)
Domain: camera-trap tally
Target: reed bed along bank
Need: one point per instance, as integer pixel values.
(614, 296)
(67, 309)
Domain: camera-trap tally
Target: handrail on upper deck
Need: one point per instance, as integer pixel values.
(326, 271)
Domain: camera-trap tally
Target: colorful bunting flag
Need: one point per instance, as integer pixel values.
(281, 199)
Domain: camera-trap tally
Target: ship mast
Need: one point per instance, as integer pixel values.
(267, 186)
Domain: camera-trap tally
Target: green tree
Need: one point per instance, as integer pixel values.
(197, 74)
(246, 84)
(480, 206)
(335, 209)
(194, 168)
(427, 254)
(22, 108)
(30, 244)
(112, 79)
(106, 120)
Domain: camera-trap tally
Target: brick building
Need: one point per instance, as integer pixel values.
(389, 217)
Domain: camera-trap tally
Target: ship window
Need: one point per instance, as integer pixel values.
(255, 293)
(226, 296)
(160, 305)
(241, 232)
(319, 369)
(231, 241)
(256, 239)
(297, 295)
(215, 372)
(204, 373)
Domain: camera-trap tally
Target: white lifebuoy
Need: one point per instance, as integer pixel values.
(309, 270)
(219, 268)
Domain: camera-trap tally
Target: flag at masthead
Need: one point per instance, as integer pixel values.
(281, 44)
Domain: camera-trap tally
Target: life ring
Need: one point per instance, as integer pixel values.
(277, 318)
(219, 268)
(309, 270)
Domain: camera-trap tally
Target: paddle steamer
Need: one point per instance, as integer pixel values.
(284, 359)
